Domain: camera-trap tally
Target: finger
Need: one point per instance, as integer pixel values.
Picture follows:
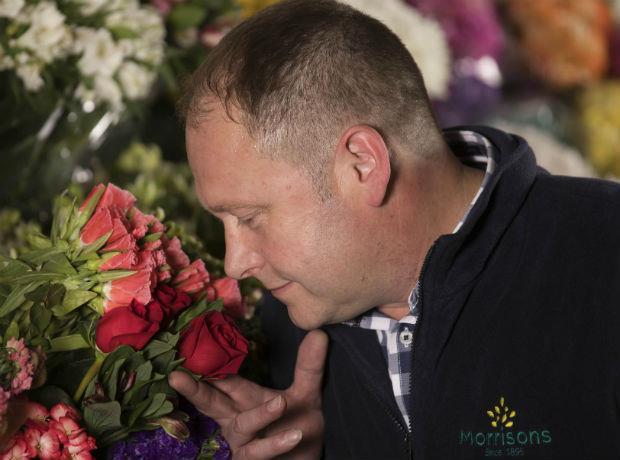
(271, 447)
(310, 365)
(207, 399)
(243, 392)
(247, 424)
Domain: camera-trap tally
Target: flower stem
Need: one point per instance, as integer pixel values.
(92, 372)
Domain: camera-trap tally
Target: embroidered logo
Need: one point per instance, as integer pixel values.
(502, 415)
(504, 439)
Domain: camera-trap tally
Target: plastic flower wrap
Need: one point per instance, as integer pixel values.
(563, 42)
(422, 36)
(599, 126)
(98, 52)
(116, 304)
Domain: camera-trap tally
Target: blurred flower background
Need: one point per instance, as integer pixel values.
(88, 92)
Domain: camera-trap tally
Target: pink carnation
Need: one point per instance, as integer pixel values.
(193, 279)
(227, 289)
(22, 357)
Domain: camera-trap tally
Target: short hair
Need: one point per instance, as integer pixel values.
(301, 71)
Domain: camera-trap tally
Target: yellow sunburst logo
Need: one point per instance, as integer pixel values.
(501, 415)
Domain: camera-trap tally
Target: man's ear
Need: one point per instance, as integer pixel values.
(362, 164)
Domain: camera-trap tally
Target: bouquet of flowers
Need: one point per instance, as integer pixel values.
(94, 317)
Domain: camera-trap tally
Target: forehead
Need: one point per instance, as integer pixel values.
(230, 171)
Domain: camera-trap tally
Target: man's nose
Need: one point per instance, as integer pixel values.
(241, 260)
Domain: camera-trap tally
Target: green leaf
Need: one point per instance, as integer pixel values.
(166, 408)
(39, 241)
(59, 263)
(137, 411)
(161, 362)
(151, 237)
(17, 297)
(68, 343)
(85, 214)
(11, 269)
(110, 379)
(156, 348)
(112, 275)
(102, 417)
(39, 256)
(40, 318)
(156, 402)
(184, 16)
(91, 249)
(12, 331)
(192, 312)
(121, 32)
(72, 300)
(43, 277)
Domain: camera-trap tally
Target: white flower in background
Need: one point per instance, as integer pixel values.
(48, 37)
(135, 80)
(89, 7)
(100, 53)
(423, 37)
(551, 154)
(107, 90)
(30, 75)
(148, 43)
(11, 8)
(151, 53)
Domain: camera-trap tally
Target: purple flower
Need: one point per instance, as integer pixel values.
(614, 52)
(471, 26)
(157, 444)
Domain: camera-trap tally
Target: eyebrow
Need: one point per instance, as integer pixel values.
(225, 207)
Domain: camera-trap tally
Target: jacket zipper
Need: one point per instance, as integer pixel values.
(416, 329)
(395, 419)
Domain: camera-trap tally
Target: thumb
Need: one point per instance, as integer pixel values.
(310, 365)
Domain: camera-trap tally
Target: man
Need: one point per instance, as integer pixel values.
(468, 296)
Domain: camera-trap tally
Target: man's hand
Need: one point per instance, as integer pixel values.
(261, 423)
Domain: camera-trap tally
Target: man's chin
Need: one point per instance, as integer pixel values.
(305, 322)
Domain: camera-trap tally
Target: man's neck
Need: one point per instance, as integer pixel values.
(469, 184)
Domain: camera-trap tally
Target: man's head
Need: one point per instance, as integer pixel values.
(297, 125)
(301, 72)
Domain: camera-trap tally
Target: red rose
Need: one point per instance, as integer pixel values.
(172, 300)
(212, 346)
(134, 325)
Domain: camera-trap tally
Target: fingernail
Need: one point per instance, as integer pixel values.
(274, 404)
(292, 437)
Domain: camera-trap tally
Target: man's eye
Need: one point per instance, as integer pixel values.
(247, 221)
